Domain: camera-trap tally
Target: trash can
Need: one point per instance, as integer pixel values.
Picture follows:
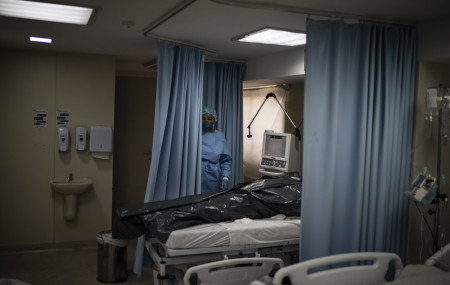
(112, 258)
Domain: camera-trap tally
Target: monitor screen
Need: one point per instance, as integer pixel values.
(275, 145)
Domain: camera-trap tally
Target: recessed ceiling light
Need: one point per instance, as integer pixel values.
(274, 37)
(41, 40)
(45, 11)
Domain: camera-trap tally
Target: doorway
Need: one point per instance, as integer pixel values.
(134, 120)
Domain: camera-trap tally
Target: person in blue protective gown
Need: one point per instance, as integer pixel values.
(216, 155)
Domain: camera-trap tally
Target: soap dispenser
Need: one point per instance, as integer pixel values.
(81, 138)
(63, 138)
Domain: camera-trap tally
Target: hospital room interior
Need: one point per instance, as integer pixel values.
(336, 145)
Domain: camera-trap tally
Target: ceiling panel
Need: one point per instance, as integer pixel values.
(118, 27)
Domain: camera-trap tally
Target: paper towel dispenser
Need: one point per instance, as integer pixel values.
(100, 139)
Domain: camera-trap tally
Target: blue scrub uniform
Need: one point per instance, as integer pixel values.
(216, 161)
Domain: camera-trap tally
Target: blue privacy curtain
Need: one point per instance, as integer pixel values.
(358, 123)
(223, 91)
(176, 153)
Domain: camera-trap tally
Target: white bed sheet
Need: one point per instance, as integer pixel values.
(244, 231)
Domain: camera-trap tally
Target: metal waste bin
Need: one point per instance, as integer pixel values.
(112, 258)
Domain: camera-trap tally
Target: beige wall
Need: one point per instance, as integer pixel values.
(287, 64)
(294, 107)
(425, 155)
(30, 213)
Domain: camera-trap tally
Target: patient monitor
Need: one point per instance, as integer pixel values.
(423, 189)
(280, 154)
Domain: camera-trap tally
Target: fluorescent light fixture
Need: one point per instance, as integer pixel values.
(45, 11)
(259, 87)
(274, 37)
(40, 40)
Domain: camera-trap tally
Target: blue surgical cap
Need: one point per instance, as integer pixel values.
(209, 110)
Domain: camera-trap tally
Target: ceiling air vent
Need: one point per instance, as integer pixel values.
(151, 65)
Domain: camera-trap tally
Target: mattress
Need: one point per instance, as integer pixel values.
(243, 231)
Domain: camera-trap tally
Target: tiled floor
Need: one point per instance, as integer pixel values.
(74, 265)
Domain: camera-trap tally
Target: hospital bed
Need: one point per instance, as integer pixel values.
(257, 219)
(275, 237)
(368, 268)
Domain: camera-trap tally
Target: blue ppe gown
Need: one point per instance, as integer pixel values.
(216, 161)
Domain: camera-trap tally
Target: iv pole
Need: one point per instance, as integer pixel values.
(297, 131)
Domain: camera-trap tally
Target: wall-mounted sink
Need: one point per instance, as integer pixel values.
(73, 187)
(70, 189)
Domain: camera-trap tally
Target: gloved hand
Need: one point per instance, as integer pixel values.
(224, 184)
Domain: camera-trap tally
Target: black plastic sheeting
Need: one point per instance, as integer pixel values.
(260, 199)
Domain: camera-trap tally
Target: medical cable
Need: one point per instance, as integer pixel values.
(428, 226)
(421, 240)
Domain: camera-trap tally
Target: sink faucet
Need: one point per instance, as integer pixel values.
(70, 178)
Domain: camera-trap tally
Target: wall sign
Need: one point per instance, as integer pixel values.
(62, 118)
(39, 118)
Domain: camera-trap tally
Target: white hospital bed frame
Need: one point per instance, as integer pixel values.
(165, 257)
(239, 271)
(371, 273)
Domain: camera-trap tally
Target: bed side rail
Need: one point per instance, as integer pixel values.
(356, 269)
(233, 271)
